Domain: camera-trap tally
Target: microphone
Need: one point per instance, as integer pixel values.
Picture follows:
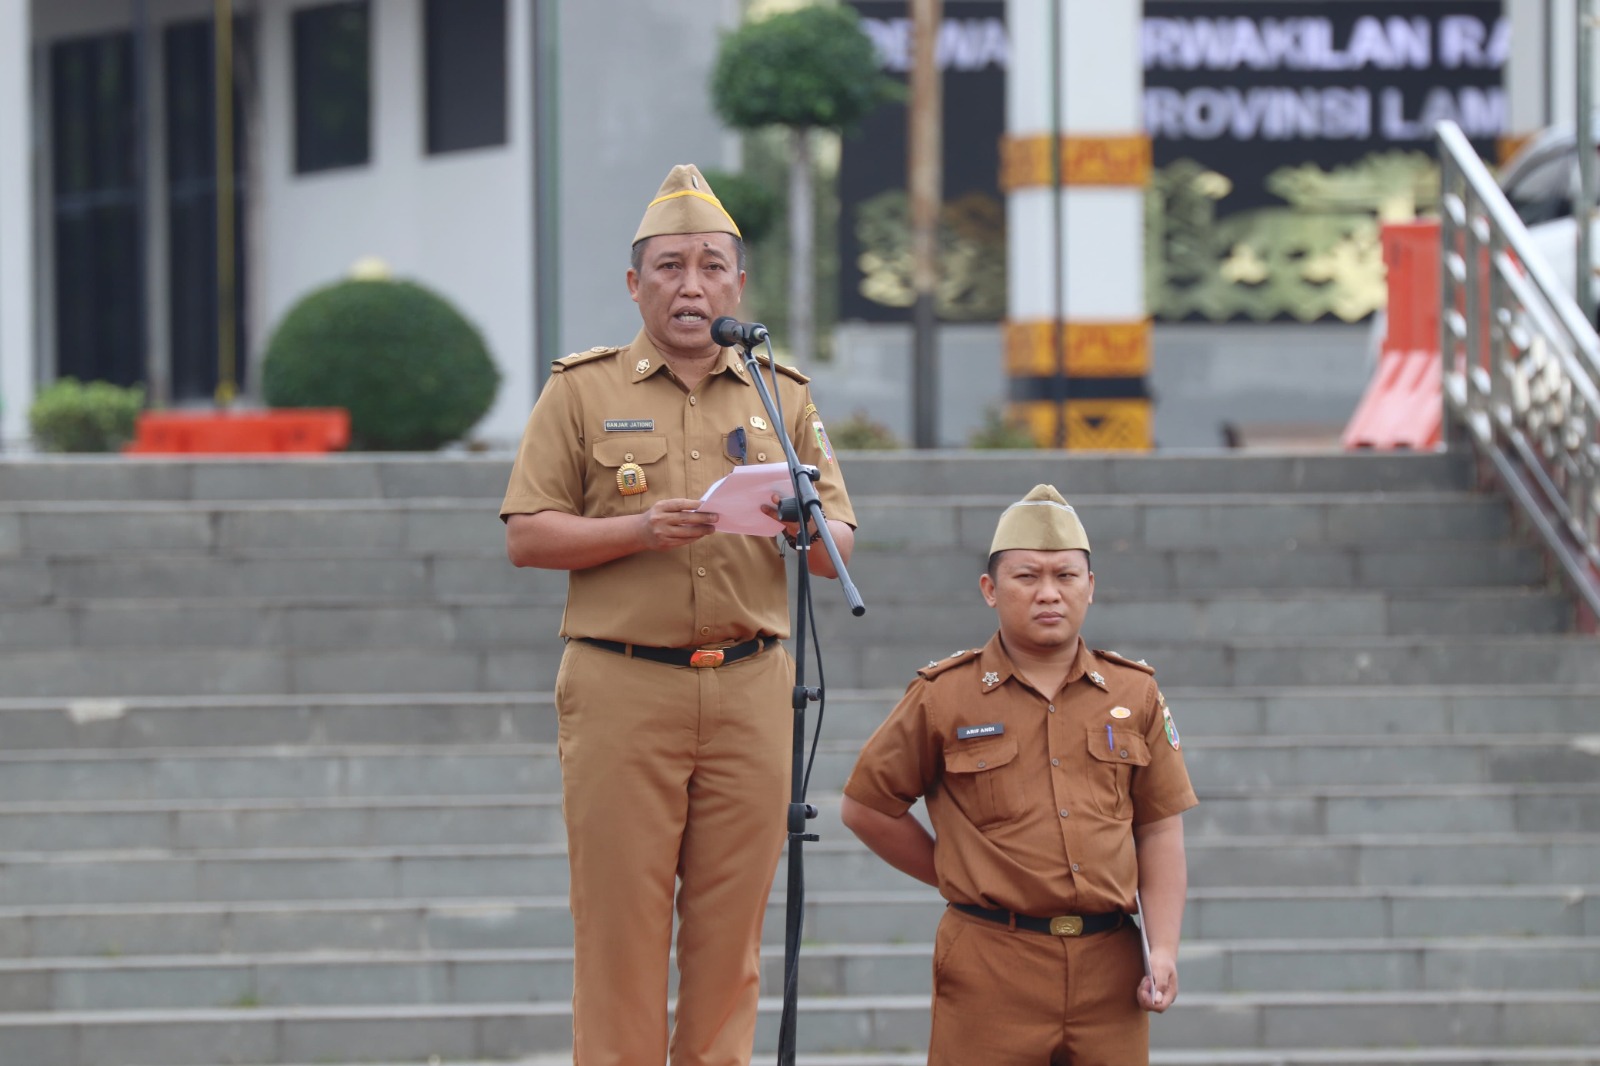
(728, 331)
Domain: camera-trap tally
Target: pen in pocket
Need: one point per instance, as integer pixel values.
(1111, 745)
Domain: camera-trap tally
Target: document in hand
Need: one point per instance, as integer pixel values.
(737, 499)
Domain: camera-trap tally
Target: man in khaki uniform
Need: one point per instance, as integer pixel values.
(674, 695)
(1055, 788)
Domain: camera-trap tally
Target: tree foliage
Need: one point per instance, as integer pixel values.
(751, 204)
(808, 68)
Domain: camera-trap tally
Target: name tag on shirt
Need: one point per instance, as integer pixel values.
(630, 425)
(992, 729)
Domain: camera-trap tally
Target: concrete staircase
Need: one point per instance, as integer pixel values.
(278, 781)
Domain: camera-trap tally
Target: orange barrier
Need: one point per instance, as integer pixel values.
(308, 429)
(1403, 406)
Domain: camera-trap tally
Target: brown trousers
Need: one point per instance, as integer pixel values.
(670, 774)
(1004, 997)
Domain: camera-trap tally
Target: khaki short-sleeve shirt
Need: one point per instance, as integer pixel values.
(1033, 801)
(616, 411)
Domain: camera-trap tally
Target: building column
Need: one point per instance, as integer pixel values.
(1538, 70)
(16, 223)
(1074, 165)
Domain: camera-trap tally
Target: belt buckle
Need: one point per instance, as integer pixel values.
(706, 657)
(1066, 925)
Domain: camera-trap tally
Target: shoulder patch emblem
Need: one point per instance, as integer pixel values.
(1122, 660)
(939, 666)
(1171, 727)
(579, 358)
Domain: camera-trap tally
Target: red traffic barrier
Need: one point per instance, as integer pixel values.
(284, 430)
(1403, 406)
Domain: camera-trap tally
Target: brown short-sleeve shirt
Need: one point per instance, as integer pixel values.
(1032, 801)
(614, 406)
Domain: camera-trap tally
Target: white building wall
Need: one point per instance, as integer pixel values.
(459, 223)
(635, 101)
(17, 356)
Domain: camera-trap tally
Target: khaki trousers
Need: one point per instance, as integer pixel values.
(670, 774)
(1005, 997)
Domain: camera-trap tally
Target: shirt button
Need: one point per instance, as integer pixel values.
(1052, 708)
(705, 631)
(761, 457)
(1064, 815)
(1055, 762)
(1123, 753)
(694, 455)
(981, 764)
(628, 458)
(701, 571)
(1074, 867)
(693, 401)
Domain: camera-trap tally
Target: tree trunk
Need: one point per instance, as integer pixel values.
(802, 257)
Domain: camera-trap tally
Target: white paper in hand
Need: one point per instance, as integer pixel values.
(737, 499)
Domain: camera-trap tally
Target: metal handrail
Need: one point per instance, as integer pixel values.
(1521, 364)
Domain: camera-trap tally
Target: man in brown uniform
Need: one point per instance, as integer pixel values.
(1055, 788)
(673, 694)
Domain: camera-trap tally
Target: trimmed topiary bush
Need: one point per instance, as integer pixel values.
(97, 416)
(412, 372)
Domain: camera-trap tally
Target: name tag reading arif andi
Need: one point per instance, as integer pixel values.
(991, 729)
(630, 425)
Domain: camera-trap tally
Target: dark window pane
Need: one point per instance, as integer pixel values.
(192, 206)
(332, 86)
(466, 71)
(99, 272)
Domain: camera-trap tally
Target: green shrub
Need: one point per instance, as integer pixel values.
(412, 372)
(861, 433)
(71, 416)
(1000, 431)
(752, 205)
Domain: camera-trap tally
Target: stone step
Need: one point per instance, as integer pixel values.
(869, 474)
(176, 825)
(1250, 662)
(29, 879)
(429, 527)
(1500, 1056)
(887, 576)
(325, 978)
(417, 1032)
(477, 623)
(1259, 763)
(426, 719)
(889, 916)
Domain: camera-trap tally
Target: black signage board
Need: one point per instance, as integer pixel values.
(1283, 131)
(874, 230)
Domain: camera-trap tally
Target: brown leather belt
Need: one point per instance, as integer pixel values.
(696, 657)
(1063, 925)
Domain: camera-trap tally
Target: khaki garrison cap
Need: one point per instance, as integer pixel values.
(685, 204)
(1041, 521)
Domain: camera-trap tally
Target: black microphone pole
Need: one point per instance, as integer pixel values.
(805, 507)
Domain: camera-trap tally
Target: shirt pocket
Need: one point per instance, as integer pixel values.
(611, 456)
(984, 780)
(1114, 753)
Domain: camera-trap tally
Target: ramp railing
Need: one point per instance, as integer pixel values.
(1520, 365)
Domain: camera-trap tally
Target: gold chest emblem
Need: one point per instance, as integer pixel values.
(630, 479)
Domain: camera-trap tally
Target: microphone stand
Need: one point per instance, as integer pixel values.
(805, 507)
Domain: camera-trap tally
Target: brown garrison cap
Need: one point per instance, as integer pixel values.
(1041, 521)
(685, 204)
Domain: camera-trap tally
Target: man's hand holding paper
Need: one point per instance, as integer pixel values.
(739, 499)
